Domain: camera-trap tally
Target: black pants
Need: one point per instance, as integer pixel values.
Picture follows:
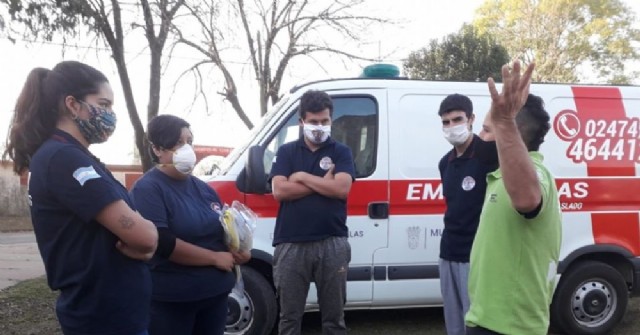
(480, 331)
(202, 317)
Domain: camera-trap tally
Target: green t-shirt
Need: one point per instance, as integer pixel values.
(514, 260)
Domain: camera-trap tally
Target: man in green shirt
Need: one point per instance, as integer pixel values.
(516, 249)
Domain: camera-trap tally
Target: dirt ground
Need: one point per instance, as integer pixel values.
(15, 223)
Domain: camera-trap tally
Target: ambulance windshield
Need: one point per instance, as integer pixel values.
(238, 151)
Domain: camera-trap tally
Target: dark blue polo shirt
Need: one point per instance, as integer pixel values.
(464, 182)
(189, 208)
(101, 290)
(314, 217)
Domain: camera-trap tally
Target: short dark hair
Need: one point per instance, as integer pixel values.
(163, 132)
(41, 104)
(533, 122)
(314, 101)
(456, 102)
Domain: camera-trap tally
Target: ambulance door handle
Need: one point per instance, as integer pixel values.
(378, 210)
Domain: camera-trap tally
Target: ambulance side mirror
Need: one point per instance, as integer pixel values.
(252, 179)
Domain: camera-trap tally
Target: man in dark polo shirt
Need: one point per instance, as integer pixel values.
(311, 179)
(463, 171)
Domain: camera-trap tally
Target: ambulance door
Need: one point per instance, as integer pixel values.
(357, 117)
(408, 268)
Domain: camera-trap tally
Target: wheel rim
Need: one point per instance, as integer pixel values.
(594, 303)
(239, 314)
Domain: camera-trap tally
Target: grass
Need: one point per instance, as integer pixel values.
(28, 308)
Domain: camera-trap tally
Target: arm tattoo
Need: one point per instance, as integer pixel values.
(126, 222)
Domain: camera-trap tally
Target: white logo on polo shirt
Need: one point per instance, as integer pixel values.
(84, 174)
(468, 183)
(325, 163)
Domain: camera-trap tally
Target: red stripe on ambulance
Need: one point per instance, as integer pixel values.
(598, 103)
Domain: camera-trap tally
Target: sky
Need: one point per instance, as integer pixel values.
(415, 22)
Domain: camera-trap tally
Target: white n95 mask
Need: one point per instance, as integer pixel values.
(184, 159)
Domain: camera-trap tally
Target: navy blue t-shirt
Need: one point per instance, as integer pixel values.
(189, 208)
(101, 290)
(315, 216)
(464, 182)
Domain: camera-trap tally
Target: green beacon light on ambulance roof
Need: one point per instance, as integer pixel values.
(380, 70)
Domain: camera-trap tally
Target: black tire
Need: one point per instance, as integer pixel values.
(256, 313)
(590, 299)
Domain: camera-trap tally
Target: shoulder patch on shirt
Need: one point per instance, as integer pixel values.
(84, 174)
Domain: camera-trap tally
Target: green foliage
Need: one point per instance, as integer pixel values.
(462, 56)
(563, 36)
(44, 19)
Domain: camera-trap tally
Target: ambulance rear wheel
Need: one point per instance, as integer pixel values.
(590, 299)
(254, 313)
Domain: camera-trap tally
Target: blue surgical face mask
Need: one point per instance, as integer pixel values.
(99, 126)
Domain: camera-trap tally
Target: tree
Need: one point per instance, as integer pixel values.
(104, 19)
(462, 56)
(269, 36)
(564, 35)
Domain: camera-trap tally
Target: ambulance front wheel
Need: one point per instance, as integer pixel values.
(590, 299)
(254, 313)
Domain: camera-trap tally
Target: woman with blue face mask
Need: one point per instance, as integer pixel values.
(93, 243)
(191, 269)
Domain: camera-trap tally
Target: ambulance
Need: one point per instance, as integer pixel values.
(396, 205)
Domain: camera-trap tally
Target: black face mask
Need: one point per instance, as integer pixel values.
(487, 152)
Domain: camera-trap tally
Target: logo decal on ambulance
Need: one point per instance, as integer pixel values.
(413, 236)
(567, 125)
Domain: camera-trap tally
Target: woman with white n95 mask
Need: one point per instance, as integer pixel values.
(191, 269)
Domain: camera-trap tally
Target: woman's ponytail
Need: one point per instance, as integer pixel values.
(33, 121)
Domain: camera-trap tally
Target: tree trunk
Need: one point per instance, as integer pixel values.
(154, 97)
(123, 74)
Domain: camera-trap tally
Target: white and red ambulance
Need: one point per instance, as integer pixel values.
(396, 206)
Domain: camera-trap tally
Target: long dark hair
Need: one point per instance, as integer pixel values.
(41, 104)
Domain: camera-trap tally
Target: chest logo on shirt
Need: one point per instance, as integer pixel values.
(468, 183)
(325, 163)
(216, 207)
(84, 174)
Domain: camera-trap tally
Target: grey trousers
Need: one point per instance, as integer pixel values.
(454, 279)
(295, 266)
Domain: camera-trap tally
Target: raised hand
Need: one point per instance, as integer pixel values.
(515, 89)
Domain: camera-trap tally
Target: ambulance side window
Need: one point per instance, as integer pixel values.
(355, 124)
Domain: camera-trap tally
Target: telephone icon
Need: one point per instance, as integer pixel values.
(563, 123)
